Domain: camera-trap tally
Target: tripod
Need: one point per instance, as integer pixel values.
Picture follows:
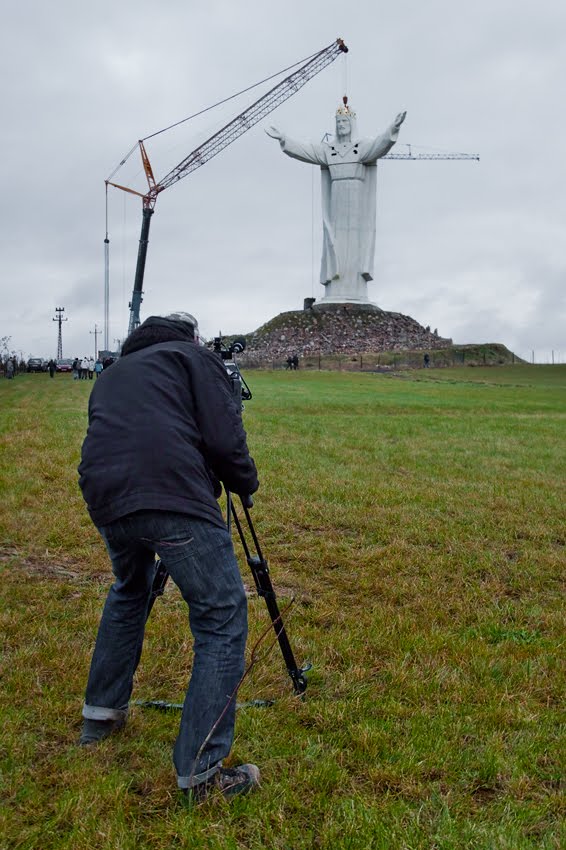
(260, 572)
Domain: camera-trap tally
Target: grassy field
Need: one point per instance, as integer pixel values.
(418, 522)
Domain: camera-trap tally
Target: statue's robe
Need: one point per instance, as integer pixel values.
(348, 171)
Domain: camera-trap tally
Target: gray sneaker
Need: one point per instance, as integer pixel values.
(94, 731)
(229, 781)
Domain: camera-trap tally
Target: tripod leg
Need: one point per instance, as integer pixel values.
(260, 572)
(264, 587)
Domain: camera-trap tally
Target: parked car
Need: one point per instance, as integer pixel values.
(36, 364)
(65, 365)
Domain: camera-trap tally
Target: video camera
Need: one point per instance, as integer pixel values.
(239, 387)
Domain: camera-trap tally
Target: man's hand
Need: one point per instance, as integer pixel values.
(399, 120)
(274, 133)
(216, 485)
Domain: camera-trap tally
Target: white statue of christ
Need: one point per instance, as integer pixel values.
(348, 171)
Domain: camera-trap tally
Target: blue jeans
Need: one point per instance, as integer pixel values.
(200, 559)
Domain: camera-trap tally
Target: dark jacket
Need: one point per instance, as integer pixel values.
(160, 421)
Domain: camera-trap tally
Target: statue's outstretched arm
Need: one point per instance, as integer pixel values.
(304, 151)
(381, 145)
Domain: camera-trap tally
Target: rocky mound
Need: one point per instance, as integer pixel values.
(337, 329)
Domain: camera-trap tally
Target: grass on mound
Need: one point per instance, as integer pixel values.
(418, 523)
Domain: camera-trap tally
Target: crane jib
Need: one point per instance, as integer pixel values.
(254, 113)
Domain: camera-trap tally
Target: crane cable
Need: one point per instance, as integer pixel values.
(208, 109)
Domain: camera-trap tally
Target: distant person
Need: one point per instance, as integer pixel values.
(84, 368)
(10, 368)
(98, 367)
(289, 363)
(426, 360)
(75, 369)
(90, 368)
(52, 368)
(107, 362)
(295, 361)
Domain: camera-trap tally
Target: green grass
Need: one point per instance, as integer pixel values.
(418, 522)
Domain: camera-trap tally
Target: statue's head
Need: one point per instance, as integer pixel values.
(345, 122)
(343, 127)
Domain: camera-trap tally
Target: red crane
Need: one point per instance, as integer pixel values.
(209, 149)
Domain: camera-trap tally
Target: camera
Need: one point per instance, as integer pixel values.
(240, 389)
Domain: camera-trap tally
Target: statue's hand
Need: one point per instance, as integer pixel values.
(399, 119)
(274, 133)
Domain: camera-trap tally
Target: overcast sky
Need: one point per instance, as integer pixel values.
(476, 250)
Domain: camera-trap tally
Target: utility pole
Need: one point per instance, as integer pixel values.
(95, 332)
(106, 284)
(59, 318)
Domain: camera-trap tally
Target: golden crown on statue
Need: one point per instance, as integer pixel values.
(345, 109)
